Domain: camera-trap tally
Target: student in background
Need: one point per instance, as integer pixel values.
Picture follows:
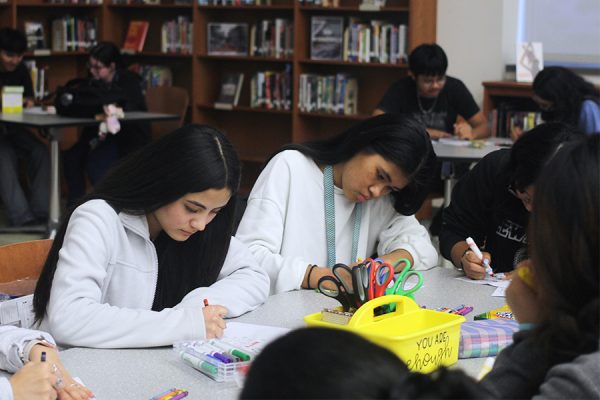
(564, 96)
(132, 264)
(436, 99)
(21, 353)
(555, 354)
(322, 363)
(492, 202)
(20, 144)
(92, 155)
(379, 169)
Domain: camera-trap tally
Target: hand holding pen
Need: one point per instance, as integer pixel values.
(214, 324)
(476, 264)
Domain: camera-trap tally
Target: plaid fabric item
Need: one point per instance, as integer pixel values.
(486, 337)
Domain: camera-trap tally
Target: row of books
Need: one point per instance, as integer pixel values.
(504, 119)
(74, 33)
(234, 2)
(379, 41)
(336, 94)
(74, 1)
(153, 75)
(177, 2)
(177, 36)
(38, 79)
(272, 89)
(359, 41)
(272, 38)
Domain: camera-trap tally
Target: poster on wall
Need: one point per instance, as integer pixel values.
(530, 60)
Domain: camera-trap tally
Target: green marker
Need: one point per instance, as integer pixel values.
(240, 355)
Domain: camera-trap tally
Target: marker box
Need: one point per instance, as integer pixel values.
(216, 359)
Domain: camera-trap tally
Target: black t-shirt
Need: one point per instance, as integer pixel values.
(483, 208)
(439, 113)
(19, 77)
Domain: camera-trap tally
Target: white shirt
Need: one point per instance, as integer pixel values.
(284, 224)
(105, 281)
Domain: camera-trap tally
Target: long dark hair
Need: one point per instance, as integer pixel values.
(565, 250)
(191, 159)
(532, 151)
(399, 139)
(566, 90)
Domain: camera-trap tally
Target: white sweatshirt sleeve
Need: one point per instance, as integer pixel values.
(12, 344)
(405, 232)
(6, 392)
(270, 207)
(241, 286)
(76, 313)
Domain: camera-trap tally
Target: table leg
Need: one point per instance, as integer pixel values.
(54, 134)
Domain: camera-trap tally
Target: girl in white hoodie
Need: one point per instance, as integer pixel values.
(132, 264)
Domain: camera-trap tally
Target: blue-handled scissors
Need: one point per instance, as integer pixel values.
(402, 286)
(380, 276)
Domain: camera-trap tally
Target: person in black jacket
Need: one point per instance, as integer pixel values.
(491, 203)
(18, 144)
(93, 154)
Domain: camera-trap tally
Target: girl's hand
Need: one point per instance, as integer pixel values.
(463, 130)
(65, 385)
(35, 381)
(213, 321)
(472, 266)
(523, 300)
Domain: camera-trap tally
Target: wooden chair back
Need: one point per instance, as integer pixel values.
(25, 260)
(168, 100)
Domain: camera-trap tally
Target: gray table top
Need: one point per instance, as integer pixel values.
(446, 152)
(143, 373)
(58, 121)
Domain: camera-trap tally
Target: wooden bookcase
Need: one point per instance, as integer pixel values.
(255, 132)
(495, 92)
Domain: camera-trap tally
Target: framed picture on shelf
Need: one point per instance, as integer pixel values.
(227, 39)
(326, 37)
(34, 32)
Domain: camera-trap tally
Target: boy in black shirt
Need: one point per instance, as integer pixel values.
(434, 98)
(492, 202)
(18, 143)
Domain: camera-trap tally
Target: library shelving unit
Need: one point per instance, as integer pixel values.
(258, 132)
(255, 132)
(503, 99)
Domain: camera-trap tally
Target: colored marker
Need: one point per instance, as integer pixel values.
(230, 349)
(197, 362)
(475, 249)
(205, 302)
(181, 395)
(166, 392)
(169, 395)
(43, 357)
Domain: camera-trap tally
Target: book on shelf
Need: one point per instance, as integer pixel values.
(38, 79)
(153, 75)
(332, 94)
(176, 36)
(227, 38)
(136, 36)
(272, 90)
(231, 87)
(530, 60)
(374, 41)
(73, 33)
(36, 38)
(272, 38)
(326, 37)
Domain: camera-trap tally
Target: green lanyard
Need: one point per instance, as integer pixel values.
(330, 219)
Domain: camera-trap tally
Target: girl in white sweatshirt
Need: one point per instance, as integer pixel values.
(132, 264)
(372, 178)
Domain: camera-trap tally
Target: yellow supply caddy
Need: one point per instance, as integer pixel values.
(423, 339)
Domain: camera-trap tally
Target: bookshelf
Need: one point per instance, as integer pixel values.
(255, 132)
(509, 102)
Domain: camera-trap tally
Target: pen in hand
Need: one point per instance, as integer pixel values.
(43, 357)
(475, 249)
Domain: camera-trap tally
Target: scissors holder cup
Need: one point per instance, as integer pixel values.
(423, 339)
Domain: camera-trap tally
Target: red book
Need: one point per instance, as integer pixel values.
(136, 36)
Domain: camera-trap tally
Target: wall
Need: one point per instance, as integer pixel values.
(471, 33)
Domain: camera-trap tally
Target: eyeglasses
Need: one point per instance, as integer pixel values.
(432, 80)
(95, 67)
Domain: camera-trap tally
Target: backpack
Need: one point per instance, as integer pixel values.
(87, 97)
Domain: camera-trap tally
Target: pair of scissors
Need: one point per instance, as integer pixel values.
(380, 276)
(339, 286)
(402, 286)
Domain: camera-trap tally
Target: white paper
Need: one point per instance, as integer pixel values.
(252, 336)
(499, 292)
